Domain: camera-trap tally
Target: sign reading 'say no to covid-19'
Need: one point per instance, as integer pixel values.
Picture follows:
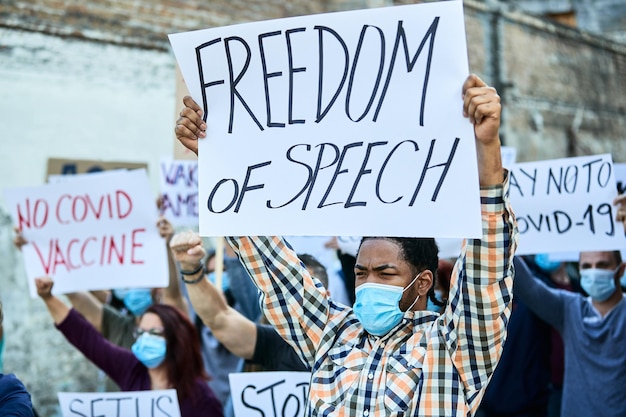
(335, 124)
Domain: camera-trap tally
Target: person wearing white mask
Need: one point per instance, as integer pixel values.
(593, 333)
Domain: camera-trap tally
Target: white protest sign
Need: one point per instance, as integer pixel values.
(269, 393)
(345, 123)
(565, 205)
(95, 233)
(620, 177)
(179, 191)
(154, 403)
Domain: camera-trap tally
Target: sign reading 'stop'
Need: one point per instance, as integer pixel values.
(335, 124)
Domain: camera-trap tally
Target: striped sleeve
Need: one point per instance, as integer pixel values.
(293, 302)
(480, 294)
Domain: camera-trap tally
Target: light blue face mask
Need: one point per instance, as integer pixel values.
(545, 264)
(598, 283)
(377, 306)
(225, 280)
(431, 306)
(120, 293)
(137, 300)
(150, 350)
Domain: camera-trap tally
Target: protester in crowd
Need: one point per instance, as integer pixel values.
(258, 343)
(519, 386)
(594, 359)
(241, 295)
(116, 325)
(14, 398)
(386, 355)
(529, 377)
(560, 275)
(165, 355)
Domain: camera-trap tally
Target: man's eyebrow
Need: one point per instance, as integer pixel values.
(378, 268)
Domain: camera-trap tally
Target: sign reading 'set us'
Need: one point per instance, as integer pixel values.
(317, 122)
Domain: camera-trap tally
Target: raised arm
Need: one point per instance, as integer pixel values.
(476, 316)
(88, 306)
(481, 105)
(547, 303)
(296, 304)
(57, 308)
(113, 360)
(231, 328)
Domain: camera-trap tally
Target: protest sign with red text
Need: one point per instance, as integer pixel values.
(98, 232)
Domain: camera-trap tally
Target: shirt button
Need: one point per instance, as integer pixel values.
(366, 412)
(370, 376)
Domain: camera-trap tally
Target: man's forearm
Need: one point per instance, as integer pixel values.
(490, 170)
(231, 328)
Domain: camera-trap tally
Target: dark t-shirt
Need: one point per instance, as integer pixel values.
(273, 353)
(14, 398)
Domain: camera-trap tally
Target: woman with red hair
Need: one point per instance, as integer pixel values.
(166, 354)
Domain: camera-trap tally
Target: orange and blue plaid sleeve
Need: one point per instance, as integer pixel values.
(481, 291)
(293, 302)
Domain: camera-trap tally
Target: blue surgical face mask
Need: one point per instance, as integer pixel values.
(120, 293)
(598, 283)
(137, 300)
(545, 264)
(150, 350)
(377, 306)
(431, 306)
(225, 280)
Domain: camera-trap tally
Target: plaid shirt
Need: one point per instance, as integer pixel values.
(428, 365)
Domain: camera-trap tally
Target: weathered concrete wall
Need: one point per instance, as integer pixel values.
(62, 97)
(603, 17)
(96, 81)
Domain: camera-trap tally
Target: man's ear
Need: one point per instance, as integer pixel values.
(424, 282)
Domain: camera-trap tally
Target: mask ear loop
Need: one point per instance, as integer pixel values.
(409, 286)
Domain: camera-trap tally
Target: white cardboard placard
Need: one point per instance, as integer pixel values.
(269, 393)
(154, 403)
(98, 232)
(179, 191)
(345, 123)
(565, 205)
